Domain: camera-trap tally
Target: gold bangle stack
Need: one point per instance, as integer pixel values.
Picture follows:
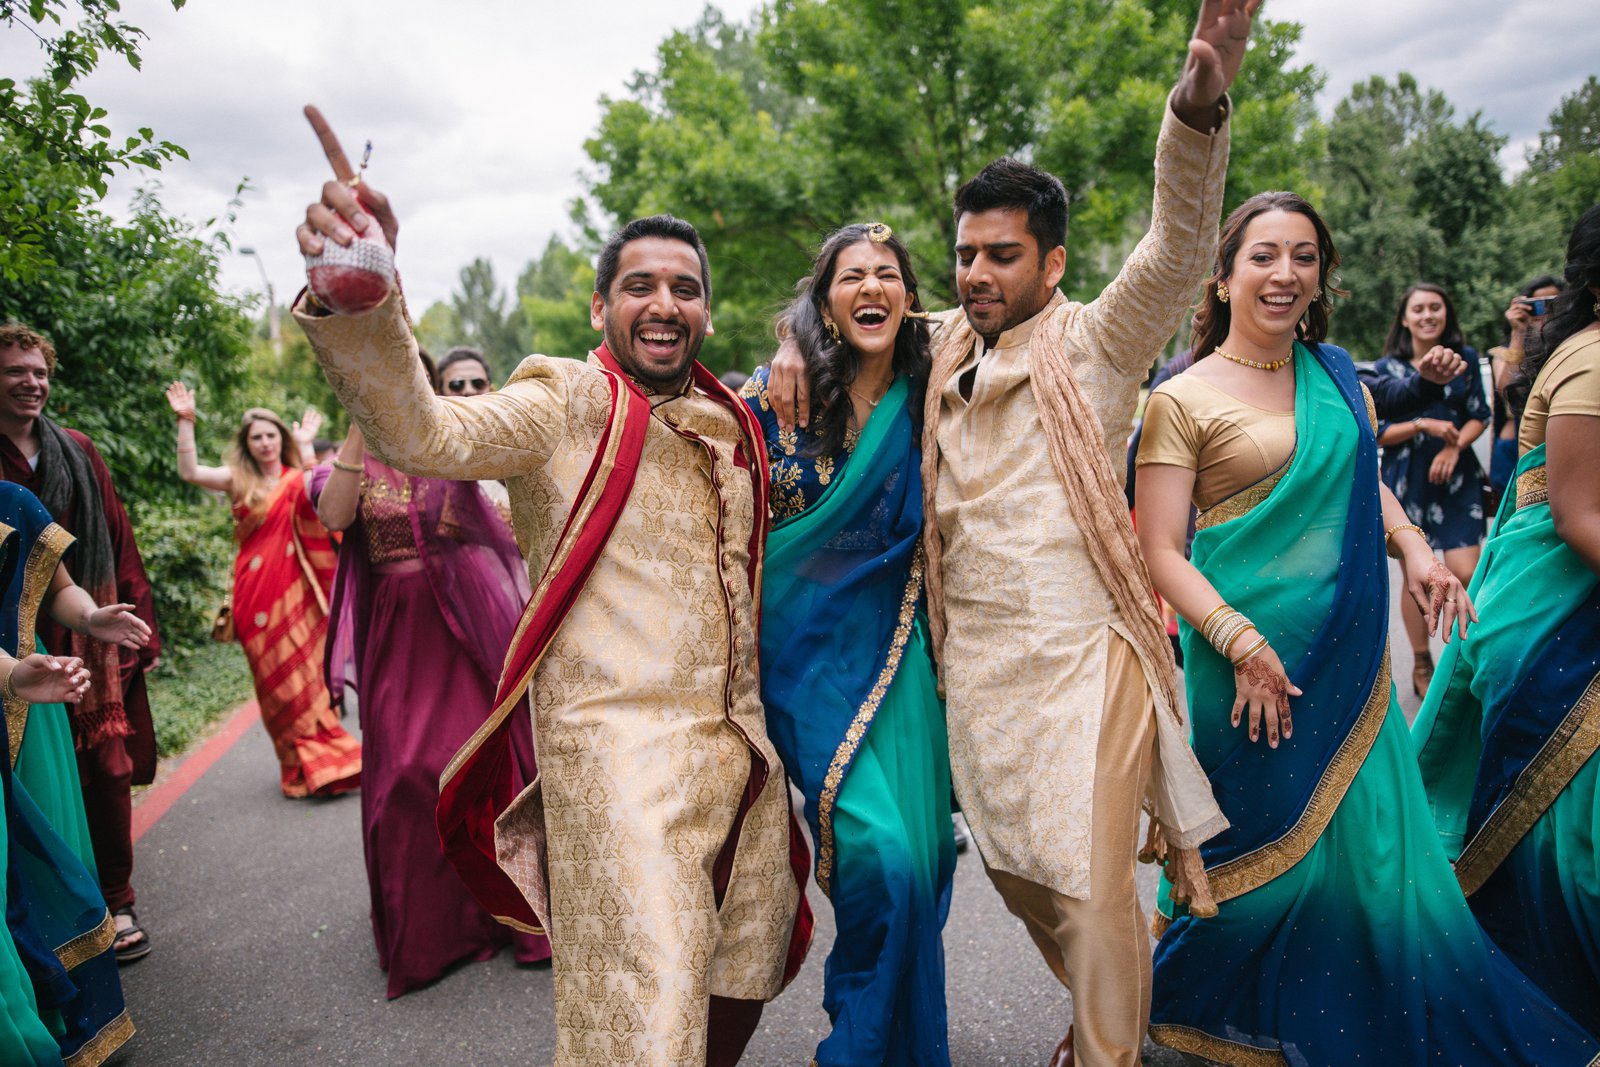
(8, 688)
(1391, 531)
(1223, 627)
(1249, 653)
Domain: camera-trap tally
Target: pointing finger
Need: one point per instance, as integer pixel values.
(342, 170)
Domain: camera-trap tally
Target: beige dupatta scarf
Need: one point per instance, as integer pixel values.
(1182, 809)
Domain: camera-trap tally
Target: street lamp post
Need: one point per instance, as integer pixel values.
(272, 305)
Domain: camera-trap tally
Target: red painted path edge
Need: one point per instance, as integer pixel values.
(158, 799)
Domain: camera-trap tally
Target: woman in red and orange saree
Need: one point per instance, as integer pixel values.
(281, 580)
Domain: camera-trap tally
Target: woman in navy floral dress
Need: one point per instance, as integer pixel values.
(1428, 461)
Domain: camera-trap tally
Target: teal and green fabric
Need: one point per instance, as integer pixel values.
(47, 767)
(56, 918)
(1341, 935)
(853, 709)
(1506, 741)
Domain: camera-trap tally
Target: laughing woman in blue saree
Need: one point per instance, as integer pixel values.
(1341, 936)
(1508, 732)
(846, 676)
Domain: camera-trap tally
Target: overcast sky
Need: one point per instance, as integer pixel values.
(478, 109)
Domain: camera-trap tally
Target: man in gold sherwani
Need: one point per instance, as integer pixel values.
(656, 845)
(1061, 696)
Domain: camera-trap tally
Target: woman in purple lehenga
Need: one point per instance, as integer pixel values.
(429, 590)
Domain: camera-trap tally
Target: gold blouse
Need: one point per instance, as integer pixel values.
(1228, 443)
(1568, 384)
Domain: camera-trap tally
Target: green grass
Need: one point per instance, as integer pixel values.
(193, 689)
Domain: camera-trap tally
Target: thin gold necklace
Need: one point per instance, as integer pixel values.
(871, 403)
(1276, 364)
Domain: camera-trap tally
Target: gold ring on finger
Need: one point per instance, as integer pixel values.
(352, 181)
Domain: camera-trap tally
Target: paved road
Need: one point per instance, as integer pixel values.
(263, 953)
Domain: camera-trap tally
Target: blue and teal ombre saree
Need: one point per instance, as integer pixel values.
(853, 709)
(1506, 741)
(1341, 937)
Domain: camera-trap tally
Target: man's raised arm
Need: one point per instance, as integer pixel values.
(1136, 314)
(371, 359)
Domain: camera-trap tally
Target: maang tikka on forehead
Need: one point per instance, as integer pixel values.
(878, 233)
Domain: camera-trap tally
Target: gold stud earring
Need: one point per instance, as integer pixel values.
(1222, 292)
(1316, 294)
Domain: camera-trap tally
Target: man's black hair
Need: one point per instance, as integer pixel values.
(668, 226)
(1012, 185)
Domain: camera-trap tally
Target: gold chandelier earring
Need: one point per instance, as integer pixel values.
(1222, 292)
(833, 328)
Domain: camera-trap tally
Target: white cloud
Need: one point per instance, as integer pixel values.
(478, 110)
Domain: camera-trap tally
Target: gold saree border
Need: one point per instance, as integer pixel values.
(1254, 869)
(112, 1036)
(1199, 1043)
(845, 753)
(89, 944)
(1536, 788)
(1533, 487)
(39, 570)
(1244, 501)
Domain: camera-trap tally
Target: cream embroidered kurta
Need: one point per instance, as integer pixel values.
(1028, 618)
(646, 706)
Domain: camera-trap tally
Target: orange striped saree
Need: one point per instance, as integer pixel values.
(280, 609)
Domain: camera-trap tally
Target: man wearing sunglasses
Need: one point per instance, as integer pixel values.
(464, 372)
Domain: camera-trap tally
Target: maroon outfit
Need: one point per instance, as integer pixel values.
(109, 768)
(429, 590)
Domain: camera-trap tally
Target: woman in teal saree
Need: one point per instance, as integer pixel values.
(59, 934)
(846, 676)
(1507, 735)
(1341, 936)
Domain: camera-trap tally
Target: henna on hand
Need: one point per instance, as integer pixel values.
(1438, 582)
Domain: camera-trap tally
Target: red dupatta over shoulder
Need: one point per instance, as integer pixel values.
(478, 784)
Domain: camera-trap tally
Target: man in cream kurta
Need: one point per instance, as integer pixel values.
(1059, 704)
(647, 712)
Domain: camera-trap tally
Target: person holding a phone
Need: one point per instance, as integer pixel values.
(1524, 319)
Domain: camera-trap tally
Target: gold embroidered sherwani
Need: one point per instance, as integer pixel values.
(1032, 631)
(646, 705)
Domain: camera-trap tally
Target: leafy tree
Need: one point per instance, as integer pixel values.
(553, 294)
(59, 127)
(438, 330)
(1564, 171)
(770, 135)
(483, 319)
(1413, 195)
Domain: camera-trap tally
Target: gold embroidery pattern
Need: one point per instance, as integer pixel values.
(99, 1048)
(1536, 788)
(786, 498)
(788, 440)
(86, 946)
(756, 389)
(846, 751)
(1243, 502)
(385, 512)
(41, 567)
(1218, 1050)
(824, 467)
(1533, 487)
(1254, 869)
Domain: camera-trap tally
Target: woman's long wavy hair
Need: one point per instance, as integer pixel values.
(1213, 318)
(831, 364)
(1573, 309)
(1398, 342)
(249, 482)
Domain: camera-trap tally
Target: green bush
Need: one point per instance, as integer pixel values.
(192, 689)
(188, 553)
